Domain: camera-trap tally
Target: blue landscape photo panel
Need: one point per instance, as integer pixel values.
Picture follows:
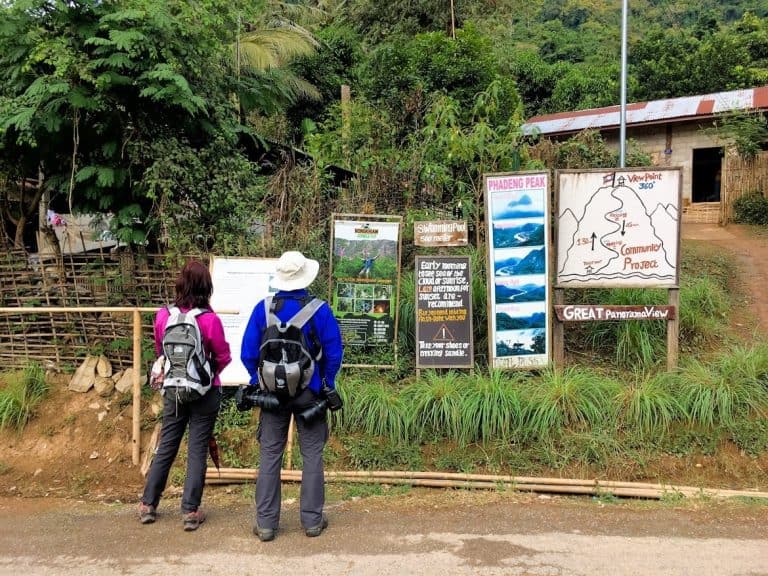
(517, 212)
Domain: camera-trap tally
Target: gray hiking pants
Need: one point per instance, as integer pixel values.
(272, 436)
(201, 418)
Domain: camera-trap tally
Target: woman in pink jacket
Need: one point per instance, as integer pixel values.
(193, 290)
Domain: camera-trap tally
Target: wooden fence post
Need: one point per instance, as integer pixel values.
(136, 386)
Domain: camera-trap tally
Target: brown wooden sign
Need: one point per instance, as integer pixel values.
(589, 313)
(440, 233)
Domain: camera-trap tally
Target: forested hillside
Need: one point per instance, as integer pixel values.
(168, 114)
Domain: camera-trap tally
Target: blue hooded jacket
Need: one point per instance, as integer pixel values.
(326, 329)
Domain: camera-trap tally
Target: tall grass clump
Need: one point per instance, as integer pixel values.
(406, 320)
(649, 405)
(374, 407)
(21, 394)
(717, 394)
(641, 344)
(573, 398)
(479, 304)
(703, 310)
(434, 405)
(704, 279)
(747, 363)
(491, 407)
(635, 343)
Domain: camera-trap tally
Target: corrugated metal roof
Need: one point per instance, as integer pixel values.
(670, 110)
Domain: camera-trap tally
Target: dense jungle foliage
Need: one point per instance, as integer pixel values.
(182, 119)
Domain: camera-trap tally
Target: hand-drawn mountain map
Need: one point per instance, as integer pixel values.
(618, 228)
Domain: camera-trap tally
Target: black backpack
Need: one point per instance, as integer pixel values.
(188, 373)
(286, 362)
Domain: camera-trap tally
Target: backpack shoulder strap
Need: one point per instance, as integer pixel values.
(195, 312)
(302, 316)
(269, 312)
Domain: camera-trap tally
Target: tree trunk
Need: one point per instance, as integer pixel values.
(18, 238)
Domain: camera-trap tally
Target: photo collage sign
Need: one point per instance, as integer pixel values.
(365, 269)
(517, 213)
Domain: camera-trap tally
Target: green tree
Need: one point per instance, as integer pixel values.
(105, 99)
(86, 83)
(403, 76)
(700, 60)
(381, 21)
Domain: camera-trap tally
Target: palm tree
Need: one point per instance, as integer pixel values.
(266, 48)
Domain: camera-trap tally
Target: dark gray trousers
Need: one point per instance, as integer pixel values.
(273, 435)
(201, 418)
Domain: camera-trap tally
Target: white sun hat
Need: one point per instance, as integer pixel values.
(294, 271)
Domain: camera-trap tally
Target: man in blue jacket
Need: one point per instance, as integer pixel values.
(294, 274)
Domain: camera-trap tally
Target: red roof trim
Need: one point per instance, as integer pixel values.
(761, 97)
(705, 107)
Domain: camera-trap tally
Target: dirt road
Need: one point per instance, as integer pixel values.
(750, 253)
(423, 532)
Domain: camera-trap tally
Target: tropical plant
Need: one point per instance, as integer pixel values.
(265, 47)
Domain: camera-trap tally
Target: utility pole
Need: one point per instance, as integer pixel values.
(623, 113)
(453, 22)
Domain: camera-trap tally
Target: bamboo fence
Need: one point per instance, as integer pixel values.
(63, 339)
(742, 177)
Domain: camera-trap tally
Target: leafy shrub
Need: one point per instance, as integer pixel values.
(376, 453)
(235, 432)
(686, 440)
(751, 209)
(750, 435)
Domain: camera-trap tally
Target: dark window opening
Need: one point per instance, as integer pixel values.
(707, 172)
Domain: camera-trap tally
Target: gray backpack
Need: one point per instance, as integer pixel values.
(188, 373)
(286, 363)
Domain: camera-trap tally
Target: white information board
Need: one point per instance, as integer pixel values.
(239, 284)
(618, 227)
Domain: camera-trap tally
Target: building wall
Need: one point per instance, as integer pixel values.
(683, 139)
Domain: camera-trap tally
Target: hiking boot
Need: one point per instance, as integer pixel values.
(147, 513)
(264, 534)
(192, 520)
(315, 531)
